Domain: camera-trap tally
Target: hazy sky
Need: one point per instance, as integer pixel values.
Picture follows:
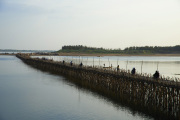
(51, 24)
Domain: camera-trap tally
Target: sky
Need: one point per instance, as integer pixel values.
(51, 24)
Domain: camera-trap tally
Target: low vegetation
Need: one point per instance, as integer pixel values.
(128, 50)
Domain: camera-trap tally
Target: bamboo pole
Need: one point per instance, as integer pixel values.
(141, 91)
(126, 65)
(141, 66)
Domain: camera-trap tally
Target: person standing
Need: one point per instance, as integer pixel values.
(133, 71)
(117, 68)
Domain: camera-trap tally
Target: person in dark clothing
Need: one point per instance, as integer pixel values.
(118, 68)
(156, 74)
(71, 63)
(133, 71)
(63, 61)
(81, 64)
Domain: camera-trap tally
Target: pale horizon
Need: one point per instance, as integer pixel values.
(51, 24)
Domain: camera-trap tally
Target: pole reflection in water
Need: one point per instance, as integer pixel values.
(27, 93)
(168, 66)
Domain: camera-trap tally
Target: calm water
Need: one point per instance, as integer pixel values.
(168, 66)
(30, 94)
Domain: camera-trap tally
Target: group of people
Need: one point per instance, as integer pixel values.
(133, 72)
(71, 63)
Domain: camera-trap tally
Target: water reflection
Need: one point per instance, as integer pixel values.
(168, 66)
(5, 58)
(27, 93)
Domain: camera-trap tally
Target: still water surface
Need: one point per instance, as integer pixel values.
(29, 94)
(168, 66)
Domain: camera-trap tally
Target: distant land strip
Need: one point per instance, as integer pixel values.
(80, 50)
(106, 54)
(146, 50)
(88, 54)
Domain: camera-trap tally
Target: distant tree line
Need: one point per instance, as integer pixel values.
(154, 49)
(128, 50)
(80, 47)
(85, 49)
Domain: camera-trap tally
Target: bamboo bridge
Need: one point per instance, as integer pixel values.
(159, 98)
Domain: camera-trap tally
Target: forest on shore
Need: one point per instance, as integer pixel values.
(128, 50)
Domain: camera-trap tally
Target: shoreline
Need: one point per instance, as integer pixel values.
(94, 54)
(101, 55)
